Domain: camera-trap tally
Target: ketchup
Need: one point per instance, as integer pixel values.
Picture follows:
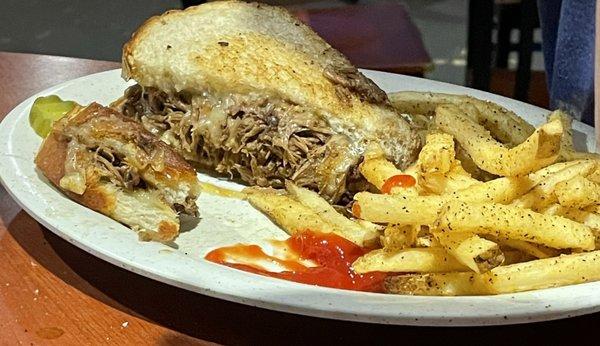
(400, 180)
(356, 211)
(332, 254)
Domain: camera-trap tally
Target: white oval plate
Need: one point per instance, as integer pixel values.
(226, 221)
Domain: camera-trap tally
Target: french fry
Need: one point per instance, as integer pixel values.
(426, 240)
(593, 209)
(567, 150)
(377, 170)
(292, 216)
(437, 284)
(539, 150)
(512, 256)
(289, 214)
(479, 254)
(399, 237)
(415, 102)
(470, 167)
(455, 180)
(577, 192)
(505, 125)
(423, 210)
(594, 176)
(542, 194)
(412, 260)
(532, 275)
(348, 228)
(534, 250)
(592, 220)
(437, 155)
(439, 171)
(509, 222)
(545, 173)
(400, 210)
(501, 190)
(587, 218)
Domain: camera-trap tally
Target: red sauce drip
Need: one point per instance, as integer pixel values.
(356, 211)
(400, 180)
(333, 255)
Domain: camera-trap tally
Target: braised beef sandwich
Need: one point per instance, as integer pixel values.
(111, 164)
(250, 91)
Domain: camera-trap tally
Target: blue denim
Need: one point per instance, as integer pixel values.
(568, 46)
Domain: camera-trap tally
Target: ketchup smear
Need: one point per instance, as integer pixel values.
(332, 254)
(400, 180)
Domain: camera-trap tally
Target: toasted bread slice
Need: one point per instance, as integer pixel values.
(112, 165)
(238, 57)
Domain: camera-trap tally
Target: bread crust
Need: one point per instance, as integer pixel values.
(51, 157)
(50, 160)
(105, 125)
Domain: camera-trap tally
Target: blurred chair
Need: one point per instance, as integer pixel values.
(379, 36)
(521, 15)
(188, 3)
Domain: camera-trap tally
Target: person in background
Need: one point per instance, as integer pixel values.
(597, 80)
(568, 46)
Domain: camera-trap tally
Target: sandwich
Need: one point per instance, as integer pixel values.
(113, 165)
(249, 91)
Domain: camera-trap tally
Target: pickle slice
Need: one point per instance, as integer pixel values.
(45, 111)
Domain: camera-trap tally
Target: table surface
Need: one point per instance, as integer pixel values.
(51, 292)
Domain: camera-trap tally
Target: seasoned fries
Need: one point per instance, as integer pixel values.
(347, 228)
(547, 179)
(377, 169)
(399, 237)
(516, 223)
(380, 173)
(577, 192)
(411, 210)
(534, 250)
(415, 260)
(505, 125)
(492, 205)
(539, 150)
(537, 274)
(439, 171)
(289, 214)
(308, 211)
(479, 254)
(567, 150)
(437, 156)
(400, 210)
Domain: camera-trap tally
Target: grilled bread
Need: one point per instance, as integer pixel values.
(111, 164)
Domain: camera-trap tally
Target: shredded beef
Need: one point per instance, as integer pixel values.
(120, 172)
(264, 141)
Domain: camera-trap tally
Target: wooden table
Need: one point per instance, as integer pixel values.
(54, 293)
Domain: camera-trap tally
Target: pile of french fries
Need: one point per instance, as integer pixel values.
(496, 205)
